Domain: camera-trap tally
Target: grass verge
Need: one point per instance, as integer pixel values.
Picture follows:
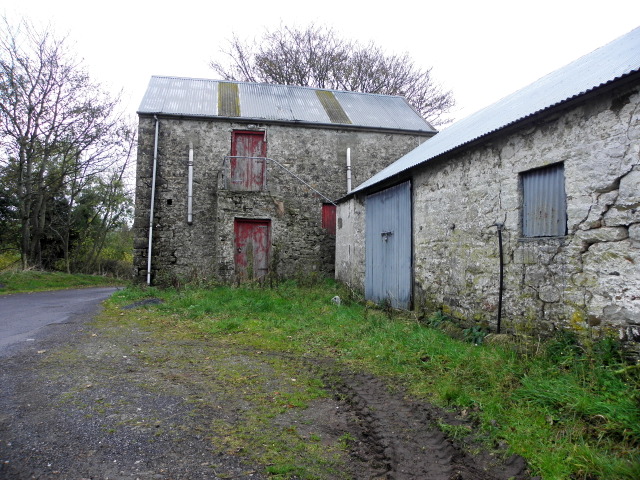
(572, 413)
(37, 281)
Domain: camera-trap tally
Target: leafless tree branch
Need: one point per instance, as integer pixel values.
(316, 56)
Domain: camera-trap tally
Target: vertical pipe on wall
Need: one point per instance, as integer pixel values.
(500, 227)
(153, 200)
(348, 170)
(190, 187)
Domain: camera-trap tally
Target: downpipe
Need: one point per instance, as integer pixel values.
(153, 200)
(500, 227)
(348, 170)
(190, 187)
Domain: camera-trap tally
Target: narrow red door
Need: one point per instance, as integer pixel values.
(329, 218)
(252, 241)
(248, 172)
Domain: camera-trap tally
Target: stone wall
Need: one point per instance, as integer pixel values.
(204, 249)
(588, 279)
(350, 245)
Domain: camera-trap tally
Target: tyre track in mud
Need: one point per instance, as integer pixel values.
(402, 437)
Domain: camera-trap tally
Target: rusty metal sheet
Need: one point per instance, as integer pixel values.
(228, 99)
(332, 107)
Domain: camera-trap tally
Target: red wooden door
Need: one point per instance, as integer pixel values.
(252, 241)
(248, 173)
(329, 218)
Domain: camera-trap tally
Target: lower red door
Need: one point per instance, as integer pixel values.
(252, 241)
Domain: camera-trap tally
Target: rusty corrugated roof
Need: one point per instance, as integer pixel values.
(283, 103)
(617, 59)
(228, 99)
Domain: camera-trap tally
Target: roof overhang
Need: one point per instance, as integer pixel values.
(623, 84)
(295, 123)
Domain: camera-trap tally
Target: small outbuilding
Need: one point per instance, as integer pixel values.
(527, 211)
(238, 180)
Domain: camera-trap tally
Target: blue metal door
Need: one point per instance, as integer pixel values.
(388, 246)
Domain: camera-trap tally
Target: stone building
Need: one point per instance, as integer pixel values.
(240, 178)
(543, 186)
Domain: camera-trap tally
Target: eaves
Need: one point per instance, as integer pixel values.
(288, 123)
(535, 118)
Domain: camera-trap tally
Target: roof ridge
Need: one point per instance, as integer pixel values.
(241, 82)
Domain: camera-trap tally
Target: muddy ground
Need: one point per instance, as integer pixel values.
(104, 401)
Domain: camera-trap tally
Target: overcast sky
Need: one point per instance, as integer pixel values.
(481, 50)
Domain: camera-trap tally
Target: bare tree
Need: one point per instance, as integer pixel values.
(57, 127)
(93, 204)
(317, 57)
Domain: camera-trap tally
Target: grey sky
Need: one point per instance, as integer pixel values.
(480, 50)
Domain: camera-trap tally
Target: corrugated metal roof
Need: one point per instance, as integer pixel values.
(228, 99)
(288, 103)
(604, 65)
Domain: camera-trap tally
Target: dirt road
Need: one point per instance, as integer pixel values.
(105, 401)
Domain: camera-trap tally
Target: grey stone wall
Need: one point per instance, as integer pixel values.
(350, 245)
(588, 279)
(204, 249)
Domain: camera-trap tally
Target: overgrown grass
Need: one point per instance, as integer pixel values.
(573, 413)
(36, 281)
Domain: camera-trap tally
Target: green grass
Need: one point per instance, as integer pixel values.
(266, 393)
(36, 281)
(573, 413)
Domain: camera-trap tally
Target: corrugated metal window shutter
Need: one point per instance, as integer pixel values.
(544, 202)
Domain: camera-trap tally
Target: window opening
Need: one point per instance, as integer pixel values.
(544, 202)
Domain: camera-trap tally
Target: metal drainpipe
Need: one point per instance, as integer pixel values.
(190, 187)
(348, 170)
(500, 227)
(153, 200)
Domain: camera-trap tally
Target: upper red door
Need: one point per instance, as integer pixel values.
(248, 169)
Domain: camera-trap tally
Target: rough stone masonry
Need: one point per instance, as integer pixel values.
(587, 280)
(309, 160)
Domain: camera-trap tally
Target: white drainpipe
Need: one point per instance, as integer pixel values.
(190, 187)
(348, 170)
(153, 200)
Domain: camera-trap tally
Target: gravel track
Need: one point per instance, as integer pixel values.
(78, 404)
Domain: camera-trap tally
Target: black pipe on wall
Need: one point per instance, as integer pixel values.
(500, 227)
